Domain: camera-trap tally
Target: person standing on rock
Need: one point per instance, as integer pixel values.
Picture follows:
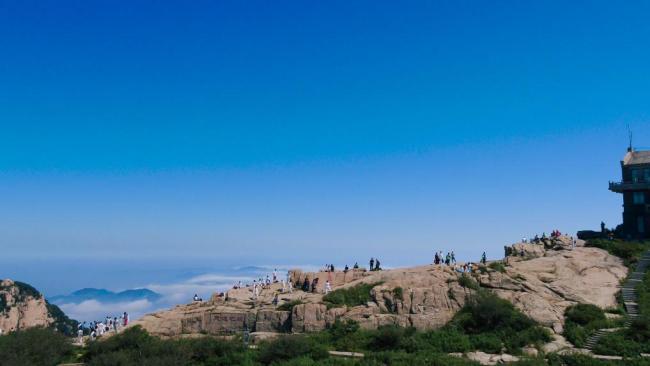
(314, 284)
(436, 259)
(483, 258)
(377, 267)
(290, 287)
(372, 263)
(328, 287)
(453, 257)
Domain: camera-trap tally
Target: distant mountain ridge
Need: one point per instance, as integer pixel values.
(106, 296)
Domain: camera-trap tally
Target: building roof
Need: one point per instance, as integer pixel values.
(636, 158)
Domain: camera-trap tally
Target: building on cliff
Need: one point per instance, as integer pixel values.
(635, 187)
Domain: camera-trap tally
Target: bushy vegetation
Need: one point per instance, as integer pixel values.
(135, 346)
(352, 296)
(288, 306)
(584, 360)
(34, 346)
(61, 323)
(288, 347)
(25, 290)
(497, 266)
(636, 339)
(466, 281)
(582, 320)
(3, 303)
(628, 251)
(398, 293)
(494, 323)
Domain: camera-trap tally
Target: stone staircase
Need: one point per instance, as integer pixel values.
(630, 298)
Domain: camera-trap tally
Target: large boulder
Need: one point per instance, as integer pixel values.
(542, 286)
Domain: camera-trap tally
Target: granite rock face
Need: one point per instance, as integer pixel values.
(22, 307)
(542, 284)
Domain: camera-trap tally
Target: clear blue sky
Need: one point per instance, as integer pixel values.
(312, 132)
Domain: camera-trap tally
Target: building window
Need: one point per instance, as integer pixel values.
(640, 224)
(636, 175)
(646, 175)
(639, 198)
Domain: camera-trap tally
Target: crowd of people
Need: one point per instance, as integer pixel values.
(98, 328)
(449, 260)
(265, 282)
(543, 239)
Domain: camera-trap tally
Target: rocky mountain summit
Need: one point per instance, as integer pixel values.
(22, 306)
(540, 280)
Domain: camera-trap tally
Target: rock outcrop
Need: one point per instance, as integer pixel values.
(22, 306)
(542, 283)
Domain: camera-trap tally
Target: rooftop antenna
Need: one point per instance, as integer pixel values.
(629, 132)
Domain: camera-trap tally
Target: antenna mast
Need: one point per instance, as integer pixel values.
(629, 132)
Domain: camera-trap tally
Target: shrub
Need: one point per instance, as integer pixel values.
(467, 282)
(488, 316)
(389, 337)
(291, 346)
(352, 296)
(3, 303)
(34, 346)
(398, 293)
(25, 290)
(584, 314)
(497, 266)
(347, 336)
(486, 312)
(617, 344)
(61, 322)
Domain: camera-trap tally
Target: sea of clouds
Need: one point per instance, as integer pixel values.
(172, 294)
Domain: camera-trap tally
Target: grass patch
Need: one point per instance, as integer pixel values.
(497, 266)
(352, 296)
(468, 282)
